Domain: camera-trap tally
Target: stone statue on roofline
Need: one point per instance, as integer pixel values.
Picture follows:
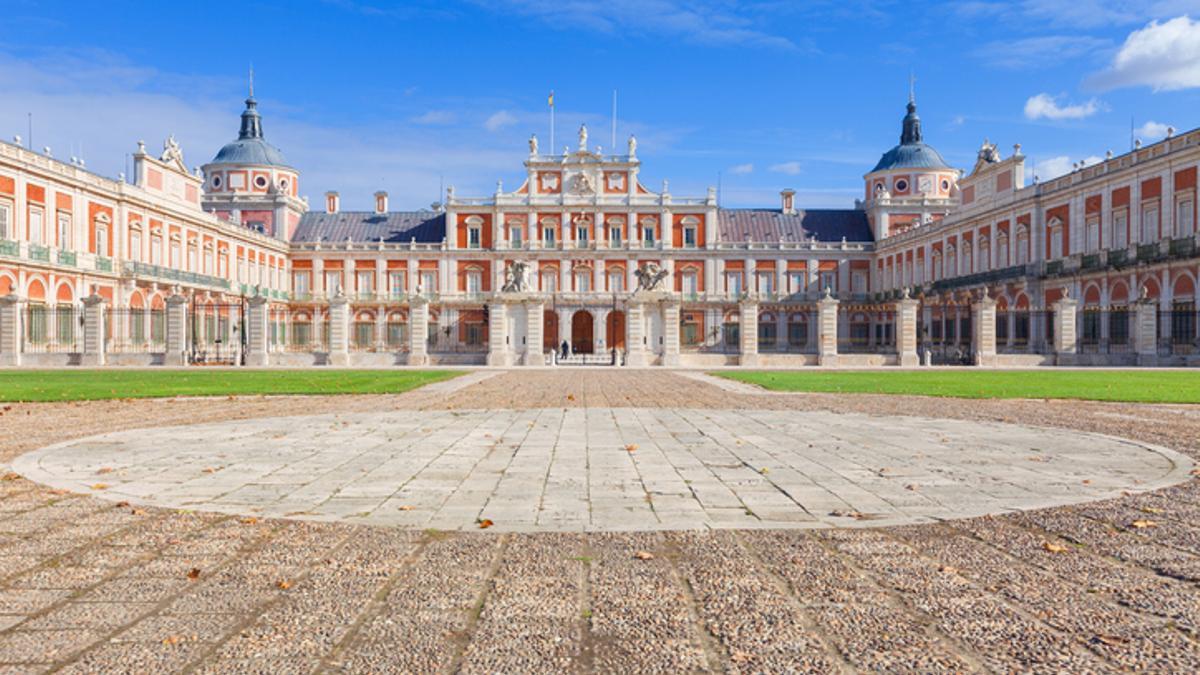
(533, 144)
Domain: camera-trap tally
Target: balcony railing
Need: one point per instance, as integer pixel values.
(104, 264)
(39, 253)
(11, 248)
(138, 269)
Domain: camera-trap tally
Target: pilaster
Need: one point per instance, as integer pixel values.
(827, 327)
(748, 332)
(418, 332)
(339, 330)
(670, 310)
(11, 307)
(983, 331)
(906, 331)
(1065, 311)
(635, 334)
(257, 331)
(177, 306)
(535, 317)
(93, 331)
(498, 354)
(1145, 331)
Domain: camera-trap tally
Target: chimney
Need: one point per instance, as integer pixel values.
(331, 202)
(381, 205)
(788, 198)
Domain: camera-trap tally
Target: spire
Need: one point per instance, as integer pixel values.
(251, 120)
(912, 123)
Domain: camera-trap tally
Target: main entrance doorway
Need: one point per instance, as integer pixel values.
(582, 341)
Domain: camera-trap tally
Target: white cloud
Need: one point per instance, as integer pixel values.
(790, 168)
(1074, 13)
(436, 117)
(1038, 52)
(701, 21)
(498, 120)
(741, 169)
(1151, 131)
(1163, 56)
(1045, 106)
(1061, 165)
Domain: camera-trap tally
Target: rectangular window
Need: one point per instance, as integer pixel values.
(474, 283)
(429, 282)
(1120, 237)
(333, 282)
(766, 282)
(548, 235)
(689, 237)
(1149, 223)
(796, 282)
(733, 283)
(474, 237)
(689, 284)
(616, 282)
(516, 235)
(648, 233)
(550, 281)
(829, 280)
(1093, 235)
(581, 234)
(366, 282)
(193, 262)
(583, 282)
(6, 222)
(35, 225)
(175, 256)
(858, 282)
(396, 283)
(64, 231)
(135, 245)
(1185, 224)
(300, 283)
(614, 236)
(208, 262)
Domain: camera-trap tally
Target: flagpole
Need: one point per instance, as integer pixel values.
(614, 123)
(552, 151)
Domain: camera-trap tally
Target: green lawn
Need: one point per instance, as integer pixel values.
(1146, 386)
(90, 385)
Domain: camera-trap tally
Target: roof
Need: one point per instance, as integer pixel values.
(773, 225)
(911, 156)
(250, 151)
(426, 227)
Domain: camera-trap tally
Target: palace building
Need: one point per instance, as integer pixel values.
(584, 263)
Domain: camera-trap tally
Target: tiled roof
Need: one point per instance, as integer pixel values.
(426, 227)
(911, 156)
(773, 225)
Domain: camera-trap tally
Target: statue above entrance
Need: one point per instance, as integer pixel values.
(516, 278)
(650, 277)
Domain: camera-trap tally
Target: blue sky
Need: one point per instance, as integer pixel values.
(364, 95)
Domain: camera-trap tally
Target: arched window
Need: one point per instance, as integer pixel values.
(1056, 240)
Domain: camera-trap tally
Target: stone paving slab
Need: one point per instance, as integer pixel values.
(605, 469)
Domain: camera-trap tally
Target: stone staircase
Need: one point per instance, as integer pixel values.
(604, 359)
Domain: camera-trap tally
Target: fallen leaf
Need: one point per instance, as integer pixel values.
(283, 584)
(1036, 458)
(1054, 548)
(103, 470)
(248, 520)
(764, 471)
(570, 397)
(1087, 482)
(1143, 524)
(122, 504)
(485, 524)
(631, 447)
(12, 475)
(1152, 509)
(644, 555)
(911, 487)
(948, 569)
(406, 507)
(1112, 640)
(138, 512)
(100, 486)
(194, 573)
(210, 469)
(172, 640)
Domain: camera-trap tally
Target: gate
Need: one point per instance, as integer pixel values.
(217, 334)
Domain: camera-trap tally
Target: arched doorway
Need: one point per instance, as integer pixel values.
(550, 331)
(581, 332)
(615, 330)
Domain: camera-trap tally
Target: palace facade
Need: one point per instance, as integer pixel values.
(583, 263)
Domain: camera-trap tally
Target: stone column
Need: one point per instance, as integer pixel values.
(748, 332)
(1065, 311)
(498, 354)
(418, 332)
(670, 310)
(827, 330)
(906, 331)
(635, 334)
(535, 317)
(983, 331)
(10, 330)
(339, 330)
(257, 331)
(177, 319)
(93, 331)
(1145, 331)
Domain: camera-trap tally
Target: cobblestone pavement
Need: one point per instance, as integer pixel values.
(88, 585)
(604, 469)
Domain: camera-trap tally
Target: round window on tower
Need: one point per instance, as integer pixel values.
(283, 184)
(901, 185)
(945, 185)
(260, 182)
(216, 181)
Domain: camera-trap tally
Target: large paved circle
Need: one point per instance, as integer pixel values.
(605, 469)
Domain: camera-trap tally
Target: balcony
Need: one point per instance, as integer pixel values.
(1184, 247)
(1147, 253)
(104, 264)
(146, 270)
(67, 258)
(10, 248)
(39, 253)
(1091, 261)
(1118, 257)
